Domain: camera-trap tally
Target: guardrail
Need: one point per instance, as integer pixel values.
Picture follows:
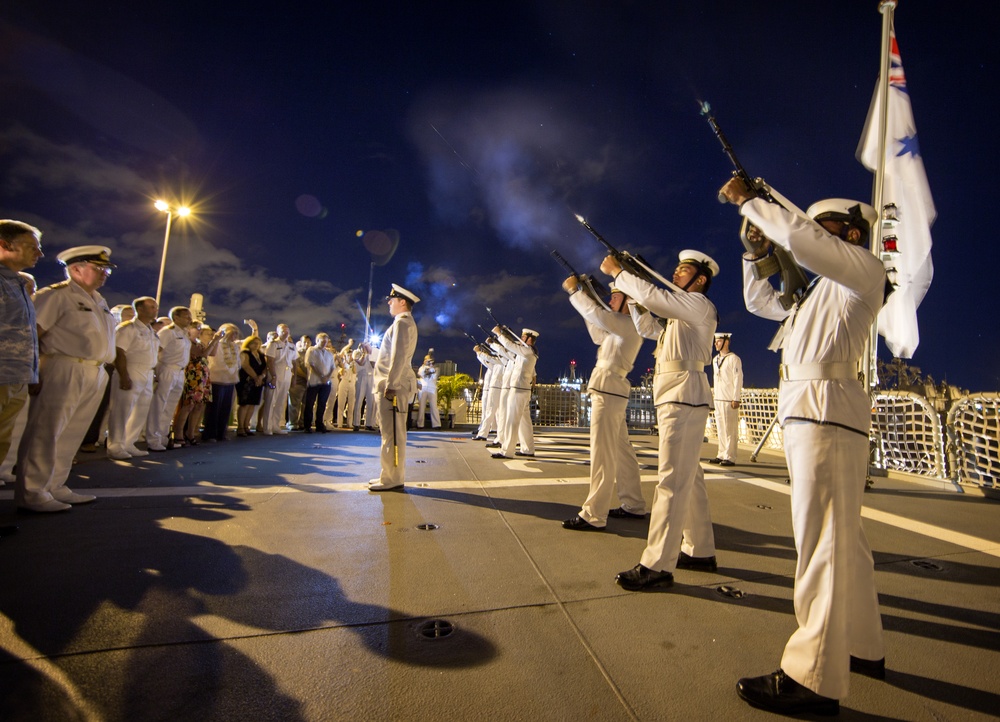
(907, 432)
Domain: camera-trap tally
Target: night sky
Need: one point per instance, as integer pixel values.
(306, 137)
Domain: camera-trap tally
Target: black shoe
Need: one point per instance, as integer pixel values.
(499, 456)
(578, 523)
(874, 668)
(479, 438)
(640, 578)
(698, 564)
(716, 460)
(522, 453)
(620, 513)
(493, 445)
(727, 462)
(777, 692)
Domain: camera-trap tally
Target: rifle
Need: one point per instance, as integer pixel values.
(503, 328)
(590, 285)
(479, 345)
(793, 278)
(636, 265)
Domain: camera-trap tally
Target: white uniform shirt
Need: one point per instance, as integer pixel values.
(830, 326)
(686, 336)
(727, 377)
(428, 377)
(139, 343)
(393, 369)
(74, 323)
(283, 355)
(175, 347)
(617, 340)
(525, 357)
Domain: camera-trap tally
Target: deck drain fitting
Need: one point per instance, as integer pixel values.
(427, 527)
(435, 629)
(926, 564)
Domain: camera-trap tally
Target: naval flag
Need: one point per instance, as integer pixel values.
(905, 184)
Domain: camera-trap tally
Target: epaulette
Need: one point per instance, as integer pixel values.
(61, 284)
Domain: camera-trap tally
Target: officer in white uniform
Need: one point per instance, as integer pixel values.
(427, 376)
(680, 526)
(612, 458)
(501, 382)
(282, 353)
(395, 385)
(175, 353)
(76, 337)
(517, 416)
(825, 414)
(727, 389)
(137, 347)
(347, 391)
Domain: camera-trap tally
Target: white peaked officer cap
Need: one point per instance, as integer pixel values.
(400, 292)
(702, 260)
(529, 332)
(723, 335)
(98, 255)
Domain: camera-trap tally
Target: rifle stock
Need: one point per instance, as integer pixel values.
(588, 284)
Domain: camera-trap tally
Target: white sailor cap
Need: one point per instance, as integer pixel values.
(723, 335)
(843, 209)
(98, 255)
(702, 260)
(400, 292)
(529, 332)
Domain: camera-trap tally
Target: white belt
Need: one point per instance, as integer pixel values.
(619, 372)
(74, 359)
(818, 372)
(669, 367)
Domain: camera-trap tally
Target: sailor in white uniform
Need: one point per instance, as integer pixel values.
(282, 354)
(517, 415)
(76, 338)
(427, 375)
(727, 389)
(491, 389)
(395, 385)
(175, 353)
(132, 387)
(680, 525)
(825, 414)
(613, 463)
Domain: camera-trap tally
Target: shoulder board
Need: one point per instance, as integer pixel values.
(61, 284)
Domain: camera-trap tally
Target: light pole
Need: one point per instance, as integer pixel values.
(182, 211)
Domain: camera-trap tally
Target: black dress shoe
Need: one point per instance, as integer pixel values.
(494, 445)
(522, 453)
(874, 668)
(716, 460)
(777, 692)
(479, 438)
(620, 513)
(639, 578)
(727, 462)
(499, 456)
(698, 564)
(578, 523)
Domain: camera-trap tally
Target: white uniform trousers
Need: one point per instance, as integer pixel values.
(346, 396)
(428, 398)
(836, 604)
(489, 412)
(128, 410)
(502, 397)
(612, 461)
(727, 424)
(275, 402)
(393, 459)
(166, 395)
(365, 392)
(58, 419)
(517, 423)
(334, 395)
(680, 519)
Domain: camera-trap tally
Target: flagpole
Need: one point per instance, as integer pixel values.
(887, 9)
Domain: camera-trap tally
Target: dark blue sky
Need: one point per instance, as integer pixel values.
(476, 131)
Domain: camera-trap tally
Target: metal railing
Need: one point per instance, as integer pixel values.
(907, 433)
